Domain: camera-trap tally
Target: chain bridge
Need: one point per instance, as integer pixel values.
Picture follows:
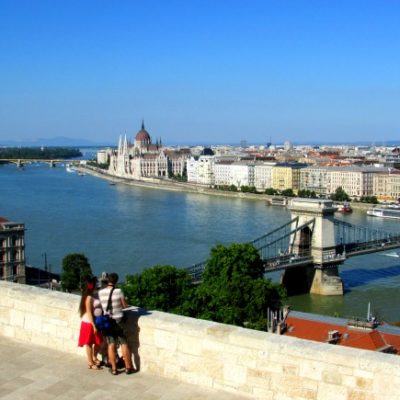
(310, 247)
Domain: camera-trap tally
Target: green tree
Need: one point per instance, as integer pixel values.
(233, 188)
(75, 270)
(271, 191)
(305, 193)
(233, 289)
(340, 195)
(162, 287)
(248, 189)
(288, 193)
(369, 199)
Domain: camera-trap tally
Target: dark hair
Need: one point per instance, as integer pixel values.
(113, 278)
(88, 288)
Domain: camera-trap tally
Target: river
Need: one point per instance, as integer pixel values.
(126, 229)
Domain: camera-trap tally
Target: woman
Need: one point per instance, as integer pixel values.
(88, 335)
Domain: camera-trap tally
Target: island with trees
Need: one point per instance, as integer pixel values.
(39, 153)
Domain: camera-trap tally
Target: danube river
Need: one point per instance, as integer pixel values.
(126, 229)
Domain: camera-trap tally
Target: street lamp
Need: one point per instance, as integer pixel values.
(45, 261)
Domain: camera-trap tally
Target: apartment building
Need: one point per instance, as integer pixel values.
(201, 170)
(315, 178)
(12, 251)
(263, 175)
(238, 173)
(356, 181)
(386, 186)
(286, 176)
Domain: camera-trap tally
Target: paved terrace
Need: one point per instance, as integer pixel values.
(33, 372)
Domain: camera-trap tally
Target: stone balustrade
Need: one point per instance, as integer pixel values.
(261, 365)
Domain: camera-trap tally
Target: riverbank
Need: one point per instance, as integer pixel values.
(160, 184)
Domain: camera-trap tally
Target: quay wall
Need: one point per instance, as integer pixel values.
(257, 364)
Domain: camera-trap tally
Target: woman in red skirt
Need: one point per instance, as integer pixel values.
(88, 335)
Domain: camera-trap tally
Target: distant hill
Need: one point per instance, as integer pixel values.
(52, 142)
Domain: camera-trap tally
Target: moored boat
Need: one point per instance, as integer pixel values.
(68, 168)
(345, 208)
(384, 212)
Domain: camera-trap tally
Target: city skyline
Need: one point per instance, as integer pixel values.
(201, 72)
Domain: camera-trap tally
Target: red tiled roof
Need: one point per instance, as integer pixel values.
(351, 337)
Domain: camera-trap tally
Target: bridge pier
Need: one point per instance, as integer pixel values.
(298, 280)
(327, 282)
(316, 238)
(311, 279)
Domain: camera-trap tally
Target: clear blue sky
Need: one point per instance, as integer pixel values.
(200, 71)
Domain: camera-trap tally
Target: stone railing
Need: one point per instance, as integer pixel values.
(261, 365)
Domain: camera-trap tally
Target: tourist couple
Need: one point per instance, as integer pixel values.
(110, 301)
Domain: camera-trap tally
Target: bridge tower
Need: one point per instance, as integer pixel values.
(315, 239)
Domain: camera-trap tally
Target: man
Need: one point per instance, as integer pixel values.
(117, 336)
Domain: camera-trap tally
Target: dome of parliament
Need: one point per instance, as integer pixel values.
(143, 135)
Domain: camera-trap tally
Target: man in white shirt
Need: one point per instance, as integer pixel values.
(113, 306)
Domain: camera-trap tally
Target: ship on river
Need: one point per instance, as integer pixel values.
(384, 212)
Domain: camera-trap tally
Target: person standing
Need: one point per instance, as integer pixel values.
(113, 301)
(89, 337)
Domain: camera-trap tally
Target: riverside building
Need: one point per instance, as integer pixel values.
(12, 251)
(200, 169)
(286, 176)
(238, 173)
(145, 159)
(386, 186)
(263, 175)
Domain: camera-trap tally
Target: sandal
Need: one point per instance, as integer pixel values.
(93, 366)
(113, 371)
(129, 371)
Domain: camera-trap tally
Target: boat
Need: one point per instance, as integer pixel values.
(278, 201)
(345, 208)
(68, 168)
(392, 254)
(384, 212)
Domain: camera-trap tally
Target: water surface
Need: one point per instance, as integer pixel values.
(126, 228)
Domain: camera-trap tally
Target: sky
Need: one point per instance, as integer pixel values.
(200, 72)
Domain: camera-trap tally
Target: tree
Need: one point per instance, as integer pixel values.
(369, 199)
(288, 192)
(233, 289)
(305, 193)
(75, 270)
(162, 287)
(340, 195)
(271, 191)
(248, 189)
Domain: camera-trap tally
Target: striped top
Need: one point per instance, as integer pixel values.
(116, 304)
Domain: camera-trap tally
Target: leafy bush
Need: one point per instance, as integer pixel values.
(162, 287)
(75, 270)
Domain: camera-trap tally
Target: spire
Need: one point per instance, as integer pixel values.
(142, 124)
(119, 144)
(125, 146)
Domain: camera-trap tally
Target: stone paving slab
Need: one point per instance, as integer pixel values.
(34, 372)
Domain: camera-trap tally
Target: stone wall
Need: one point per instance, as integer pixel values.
(259, 364)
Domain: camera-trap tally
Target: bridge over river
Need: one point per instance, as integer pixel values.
(311, 246)
(20, 162)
